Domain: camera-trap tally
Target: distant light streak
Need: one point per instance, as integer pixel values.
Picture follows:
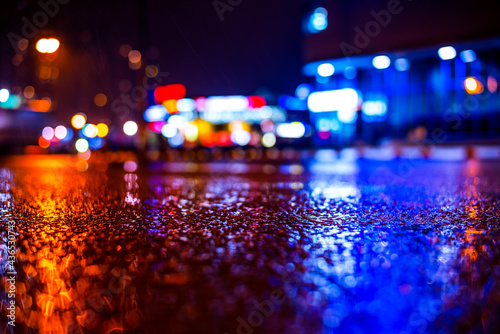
(226, 103)
(333, 100)
(291, 130)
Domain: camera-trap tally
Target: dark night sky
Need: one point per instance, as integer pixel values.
(257, 44)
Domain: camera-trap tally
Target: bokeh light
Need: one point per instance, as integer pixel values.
(326, 70)
(151, 71)
(49, 45)
(381, 62)
(78, 121)
(96, 143)
(268, 140)
(134, 56)
(4, 95)
(473, 86)
(402, 64)
(130, 128)
(29, 92)
(100, 100)
(43, 143)
(168, 131)
(447, 53)
(60, 132)
(48, 133)
(191, 132)
(130, 166)
(176, 121)
(176, 140)
(82, 145)
(42, 105)
(102, 130)
(241, 137)
(22, 44)
(90, 130)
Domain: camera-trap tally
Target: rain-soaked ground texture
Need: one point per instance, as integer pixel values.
(366, 247)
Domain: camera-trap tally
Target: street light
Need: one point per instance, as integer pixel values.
(49, 45)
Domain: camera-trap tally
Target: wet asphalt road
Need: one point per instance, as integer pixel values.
(339, 247)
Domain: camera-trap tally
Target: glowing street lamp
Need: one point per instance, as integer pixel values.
(47, 45)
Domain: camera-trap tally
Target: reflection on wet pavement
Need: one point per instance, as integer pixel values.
(326, 248)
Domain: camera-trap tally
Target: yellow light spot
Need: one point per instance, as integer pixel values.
(100, 100)
(191, 132)
(102, 130)
(171, 106)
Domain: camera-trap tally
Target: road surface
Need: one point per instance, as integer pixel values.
(337, 247)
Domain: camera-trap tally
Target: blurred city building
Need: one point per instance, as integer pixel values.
(401, 69)
(373, 72)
